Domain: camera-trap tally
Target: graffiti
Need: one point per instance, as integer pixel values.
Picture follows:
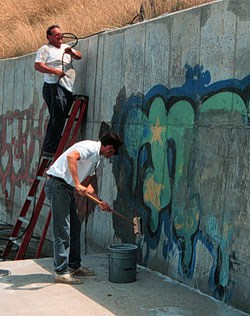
(21, 137)
(168, 165)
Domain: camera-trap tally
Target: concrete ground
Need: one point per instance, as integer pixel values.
(30, 290)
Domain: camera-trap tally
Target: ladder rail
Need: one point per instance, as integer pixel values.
(27, 236)
(24, 211)
(80, 105)
(68, 128)
(44, 233)
(83, 106)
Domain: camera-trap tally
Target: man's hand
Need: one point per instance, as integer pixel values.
(68, 50)
(43, 68)
(60, 73)
(73, 53)
(90, 193)
(81, 189)
(104, 206)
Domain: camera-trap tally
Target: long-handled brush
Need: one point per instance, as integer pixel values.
(136, 222)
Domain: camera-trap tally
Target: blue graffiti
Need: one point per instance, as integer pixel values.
(153, 127)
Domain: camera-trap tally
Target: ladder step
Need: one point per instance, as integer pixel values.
(16, 241)
(48, 158)
(81, 97)
(46, 204)
(23, 219)
(68, 138)
(75, 120)
(41, 178)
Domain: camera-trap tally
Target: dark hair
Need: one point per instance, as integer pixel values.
(50, 28)
(112, 138)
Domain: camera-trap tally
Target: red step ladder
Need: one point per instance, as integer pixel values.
(68, 138)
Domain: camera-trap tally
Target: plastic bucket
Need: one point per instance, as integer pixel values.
(122, 263)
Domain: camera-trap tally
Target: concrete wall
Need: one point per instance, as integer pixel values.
(177, 90)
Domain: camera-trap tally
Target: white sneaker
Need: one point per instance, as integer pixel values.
(66, 278)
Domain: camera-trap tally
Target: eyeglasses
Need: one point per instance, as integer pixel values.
(57, 35)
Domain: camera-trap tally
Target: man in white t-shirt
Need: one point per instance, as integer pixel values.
(73, 170)
(54, 60)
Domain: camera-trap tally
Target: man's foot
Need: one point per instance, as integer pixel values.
(66, 278)
(4, 272)
(82, 271)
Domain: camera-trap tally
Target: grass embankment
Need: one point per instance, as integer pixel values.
(23, 23)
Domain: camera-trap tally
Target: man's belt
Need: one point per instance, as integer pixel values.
(57, 178)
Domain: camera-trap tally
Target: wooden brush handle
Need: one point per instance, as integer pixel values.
(91, 197)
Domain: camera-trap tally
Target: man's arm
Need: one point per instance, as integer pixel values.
(72, 159)
(43, 68)
(87, 188)
(102, 204)
(73, 53)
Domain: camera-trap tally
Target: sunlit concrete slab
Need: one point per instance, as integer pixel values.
(30, 290)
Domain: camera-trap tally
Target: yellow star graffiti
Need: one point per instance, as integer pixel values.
(152, 193)
(157, 131)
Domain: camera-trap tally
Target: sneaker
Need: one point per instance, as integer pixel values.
(82, 271)
(66, 278)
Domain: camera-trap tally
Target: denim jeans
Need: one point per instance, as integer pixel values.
(59, 101)
(66, 225)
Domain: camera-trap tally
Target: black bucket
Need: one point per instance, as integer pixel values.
(122, 263)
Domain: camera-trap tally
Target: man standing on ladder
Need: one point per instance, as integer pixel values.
(73, 170)
(55, 61)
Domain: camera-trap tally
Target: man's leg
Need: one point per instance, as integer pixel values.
(75, 231)
(75, 249)
(60, 204)
(58, 110)
(59, 195)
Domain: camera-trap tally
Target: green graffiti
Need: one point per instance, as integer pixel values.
(156, 186)
(226, 102)
(156, 130)
(185, 211)
(221, 235)
(135, 125)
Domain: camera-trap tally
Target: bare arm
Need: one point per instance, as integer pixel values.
(80, 187)
(73, 53)
(43, 68)
(72, 159)
(102, 204)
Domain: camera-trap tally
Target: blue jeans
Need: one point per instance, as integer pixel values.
(66, 225)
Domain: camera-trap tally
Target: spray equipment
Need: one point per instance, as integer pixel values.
(75, 41)
(71, 36)
(136, 222)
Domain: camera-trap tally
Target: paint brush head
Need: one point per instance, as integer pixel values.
(137, 225)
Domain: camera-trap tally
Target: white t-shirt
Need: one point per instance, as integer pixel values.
(52, 57)
(89, 160)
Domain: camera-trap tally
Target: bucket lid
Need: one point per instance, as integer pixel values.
(122, 247)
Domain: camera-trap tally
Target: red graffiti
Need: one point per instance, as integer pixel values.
(21, 139)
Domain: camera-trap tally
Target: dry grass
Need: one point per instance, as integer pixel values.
(23, 23)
